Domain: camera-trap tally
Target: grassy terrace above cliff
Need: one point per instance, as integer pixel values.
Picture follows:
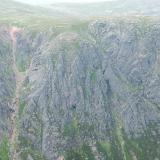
(37, 18)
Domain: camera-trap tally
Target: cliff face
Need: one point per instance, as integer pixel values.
(6, 80)
(91, 95)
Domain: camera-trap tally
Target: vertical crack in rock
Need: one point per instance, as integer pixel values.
(19, 78)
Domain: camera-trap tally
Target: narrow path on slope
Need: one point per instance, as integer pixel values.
(19, 77)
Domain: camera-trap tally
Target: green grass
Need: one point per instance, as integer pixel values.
(37, 19)
(93, 76)
(22, 104)
(4, 149)
(104, 147)
(22, 65)
(71, 128)
(26, 148)
(145, 147)
(33, 153)
(80, 27)
(143, 27)
(84, 152)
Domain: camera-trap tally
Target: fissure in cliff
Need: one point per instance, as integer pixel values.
(19, 78)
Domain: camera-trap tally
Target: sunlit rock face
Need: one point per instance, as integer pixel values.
(91, 95)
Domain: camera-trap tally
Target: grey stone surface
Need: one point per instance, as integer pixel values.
(83, 89)
(109, 81)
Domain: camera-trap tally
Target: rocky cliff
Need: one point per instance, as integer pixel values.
(7, 81)
(89, 94)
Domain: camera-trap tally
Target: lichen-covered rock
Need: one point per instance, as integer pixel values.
(95, 95)
(7, 81)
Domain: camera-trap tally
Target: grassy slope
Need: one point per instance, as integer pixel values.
(59, 17)
(34, 18)
(131, 7)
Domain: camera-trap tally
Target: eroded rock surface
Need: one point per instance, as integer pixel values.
(7, 81)
(101, 88)
(92, 95)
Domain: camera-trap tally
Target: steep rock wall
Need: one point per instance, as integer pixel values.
(98, 89)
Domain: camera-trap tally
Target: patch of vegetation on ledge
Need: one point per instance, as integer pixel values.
(84, 152)
(28, 150)
(4, 148)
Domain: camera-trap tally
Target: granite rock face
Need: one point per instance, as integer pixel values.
(7, 81)
(92, 95)
(100, 90)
